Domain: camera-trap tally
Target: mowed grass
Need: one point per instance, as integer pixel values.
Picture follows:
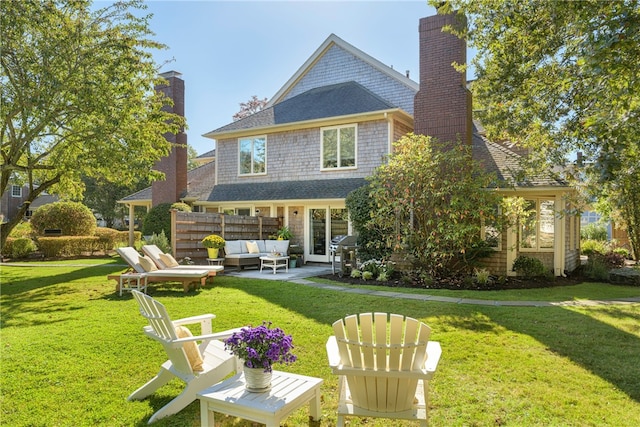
(73, 350)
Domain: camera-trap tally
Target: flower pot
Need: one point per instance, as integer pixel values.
(213, 252)
(292, 263)
(257, 380)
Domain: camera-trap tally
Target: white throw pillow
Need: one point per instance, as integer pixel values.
(252, 247)
(147, 263)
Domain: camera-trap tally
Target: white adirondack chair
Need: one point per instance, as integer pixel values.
(384, 363)
(216, 362)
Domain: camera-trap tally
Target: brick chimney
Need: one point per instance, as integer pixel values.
(174, 166)
(442, 106)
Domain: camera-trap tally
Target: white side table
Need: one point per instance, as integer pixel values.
(129, 281)
(215, 261)
(288, 393)
(274, 262)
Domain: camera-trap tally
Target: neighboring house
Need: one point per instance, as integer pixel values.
(15, 196)
(333, 123)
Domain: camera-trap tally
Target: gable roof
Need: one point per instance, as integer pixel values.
(341, 99)
(331, 41)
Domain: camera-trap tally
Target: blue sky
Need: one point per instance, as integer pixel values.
(228, 51)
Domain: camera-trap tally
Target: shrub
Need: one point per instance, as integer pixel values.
(18, 247)
(594, 231)
(482, 276)
(367, 275)
(161, 241)
(72, 218)
(528, 267)
(54, 247)
(356, 274)
(588, 247)
(158, 219)
(597, 268)
(623, 252)
(22, 230)
(108, 238)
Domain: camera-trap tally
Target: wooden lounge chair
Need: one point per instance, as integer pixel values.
(165, 261)
(199, 366)
(188, 278)
(384, 363)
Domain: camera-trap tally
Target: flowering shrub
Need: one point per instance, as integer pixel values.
(261, 347)
(378, 268)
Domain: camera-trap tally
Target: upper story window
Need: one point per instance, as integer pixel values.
(339, 147)
(537, 231)
(16, 191)
(252, 155)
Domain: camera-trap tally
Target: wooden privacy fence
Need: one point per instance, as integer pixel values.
(189, 228)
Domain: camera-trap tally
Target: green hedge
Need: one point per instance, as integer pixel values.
(18, 247)
(53, 247)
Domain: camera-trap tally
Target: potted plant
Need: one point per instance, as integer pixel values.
(260, 347)
(293, 259)
(284, 233)
(213, 243)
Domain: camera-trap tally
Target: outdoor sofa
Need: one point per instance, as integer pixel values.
(241, 253)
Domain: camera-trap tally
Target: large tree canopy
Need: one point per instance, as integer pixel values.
(78, 97)
(561, 77)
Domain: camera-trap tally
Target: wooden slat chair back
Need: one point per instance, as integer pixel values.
(384, 359)
(212, 361)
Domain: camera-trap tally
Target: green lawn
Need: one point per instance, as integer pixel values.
(72, 349)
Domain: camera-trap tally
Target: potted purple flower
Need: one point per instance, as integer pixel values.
(260, 347)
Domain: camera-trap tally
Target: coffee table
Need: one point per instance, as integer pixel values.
(288, 393)
(274, 262)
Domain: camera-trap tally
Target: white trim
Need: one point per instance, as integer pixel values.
(355, 148)
(253, 139)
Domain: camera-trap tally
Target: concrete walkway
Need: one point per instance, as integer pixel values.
(300, 276)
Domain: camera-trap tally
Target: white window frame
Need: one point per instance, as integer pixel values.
(13, 191)
(338, 160)
(538, 201)
(253, 140)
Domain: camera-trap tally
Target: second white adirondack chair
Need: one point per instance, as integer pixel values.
(199, 366)
(384, 363)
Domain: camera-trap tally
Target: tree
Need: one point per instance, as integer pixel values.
(250, 107)
(559, 77)
(102, 197)
(434, 199)
(78, 98)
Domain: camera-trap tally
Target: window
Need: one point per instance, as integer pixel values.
(339, 147)
(252, 155)
(16, 191)
(237, 211)
(537, 231)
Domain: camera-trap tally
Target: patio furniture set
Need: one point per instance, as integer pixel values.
(155, 266)
(383, 361)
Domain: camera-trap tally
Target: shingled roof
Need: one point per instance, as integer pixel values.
(286, 190)
(504, 161)
(336, 100)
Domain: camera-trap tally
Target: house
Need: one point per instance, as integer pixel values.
(15, 196)
(334, 121)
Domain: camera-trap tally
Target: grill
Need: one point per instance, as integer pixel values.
(343, 254)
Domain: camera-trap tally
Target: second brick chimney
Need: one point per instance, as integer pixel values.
(174, 166)
(442, 106)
